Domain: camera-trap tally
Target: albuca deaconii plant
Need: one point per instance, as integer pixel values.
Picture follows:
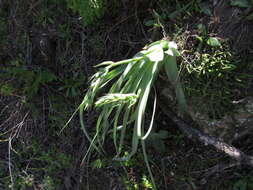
(130, 83)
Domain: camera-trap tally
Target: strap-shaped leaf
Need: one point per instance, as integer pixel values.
(171, 69)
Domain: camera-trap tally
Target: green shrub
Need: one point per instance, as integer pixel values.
(212, 81)
(89, 10)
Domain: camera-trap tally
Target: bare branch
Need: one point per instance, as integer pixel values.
(220, 145)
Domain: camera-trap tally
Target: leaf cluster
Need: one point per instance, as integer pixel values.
(124, 105)
(128, 95)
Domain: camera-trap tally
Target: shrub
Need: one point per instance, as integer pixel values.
(89, 10)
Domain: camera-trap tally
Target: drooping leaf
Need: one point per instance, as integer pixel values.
(173, 76)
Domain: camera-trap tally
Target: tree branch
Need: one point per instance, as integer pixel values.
(220, 145)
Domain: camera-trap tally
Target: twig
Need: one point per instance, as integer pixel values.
(14, 134)
(9, 163)
(218, 169)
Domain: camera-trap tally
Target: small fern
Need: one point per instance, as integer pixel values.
(89, 10)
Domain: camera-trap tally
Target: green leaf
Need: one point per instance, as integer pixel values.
(97, 164)
(214, 42)
(171, 69)
(199, 38)
(172, 49)
(240, 3)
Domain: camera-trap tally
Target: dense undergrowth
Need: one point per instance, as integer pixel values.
(47, 53)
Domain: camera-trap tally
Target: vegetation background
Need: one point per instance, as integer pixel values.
(48, 50)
